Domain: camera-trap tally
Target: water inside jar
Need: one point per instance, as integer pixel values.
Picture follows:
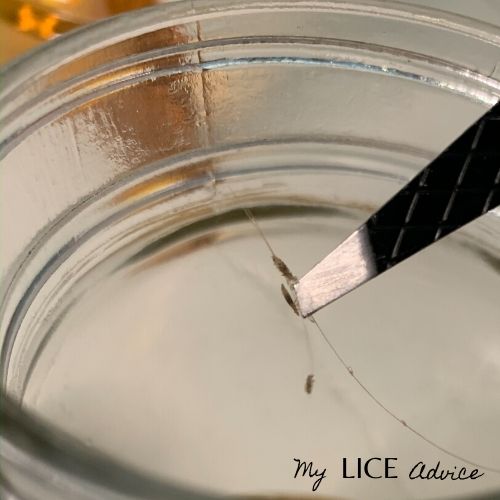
(184, 361)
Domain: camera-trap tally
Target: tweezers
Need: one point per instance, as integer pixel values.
(461, 184)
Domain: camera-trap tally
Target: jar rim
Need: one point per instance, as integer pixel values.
(87, 38)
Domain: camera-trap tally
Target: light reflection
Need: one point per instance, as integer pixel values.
(43, 26)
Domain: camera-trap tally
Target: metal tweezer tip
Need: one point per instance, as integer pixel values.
(348, 266)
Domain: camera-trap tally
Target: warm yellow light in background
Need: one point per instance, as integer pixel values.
(26, 19)
(43, 26)
(27, 23)
(46, 27)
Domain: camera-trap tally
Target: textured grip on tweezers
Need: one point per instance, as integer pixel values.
(461, 184)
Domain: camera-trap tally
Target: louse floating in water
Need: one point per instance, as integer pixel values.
(291, 280)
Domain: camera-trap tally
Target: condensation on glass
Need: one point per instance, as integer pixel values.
(147, 351)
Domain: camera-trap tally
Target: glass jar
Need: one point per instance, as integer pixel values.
(146, 349)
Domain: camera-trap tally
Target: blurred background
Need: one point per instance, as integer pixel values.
(25, 24)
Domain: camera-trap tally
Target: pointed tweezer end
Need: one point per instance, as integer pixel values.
(350, 265)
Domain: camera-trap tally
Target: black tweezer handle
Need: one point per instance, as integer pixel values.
(461, 184)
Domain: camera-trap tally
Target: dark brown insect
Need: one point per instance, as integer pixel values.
(309, 383)
(289, 299)
(283, 269)
(308, 387)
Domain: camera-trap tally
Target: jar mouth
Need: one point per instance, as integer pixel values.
(38, 90)
(30, 65)
(358, 57)
(50, 70)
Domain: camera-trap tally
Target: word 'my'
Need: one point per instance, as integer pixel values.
(307, 468)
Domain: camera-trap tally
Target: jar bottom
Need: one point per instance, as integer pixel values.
(184, 360)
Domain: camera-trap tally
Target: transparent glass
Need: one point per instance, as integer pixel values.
(146, 349)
